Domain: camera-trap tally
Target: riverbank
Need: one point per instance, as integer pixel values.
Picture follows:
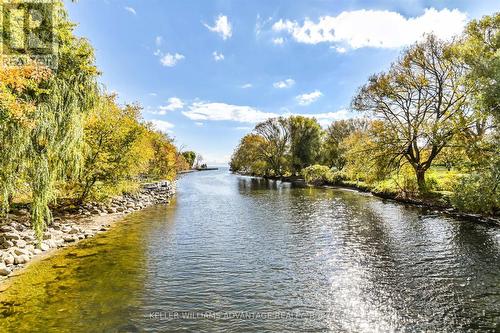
(18, 245)
(429, 203)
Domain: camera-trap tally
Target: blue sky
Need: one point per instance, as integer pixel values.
(207, 71)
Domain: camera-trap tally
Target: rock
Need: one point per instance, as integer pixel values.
(51, 243)
(4, 271)
(22, 259)
(8, 259)
(44, 247)
(47, 236)
(11, 236)
(20, 243)
(28, 238)
(37, 251)
(6, 228)
(20, 252)
(7, 244)
(70, 239)
(73, 231)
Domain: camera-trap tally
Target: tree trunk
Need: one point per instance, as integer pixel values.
(420, 179)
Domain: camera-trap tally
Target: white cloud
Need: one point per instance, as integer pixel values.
(218, 56)
(278, 41)
(131, 10)
(284, 84)
(246, 86)
(223, 111)
(158, 41)
(162, 125)
(170, 60)
(173, 104)
(207, 111)
(306, 99)
(374, 28)
(222, 26)
(153, 94)
(325, 119)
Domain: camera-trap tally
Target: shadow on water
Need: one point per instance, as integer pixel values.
(231, 246)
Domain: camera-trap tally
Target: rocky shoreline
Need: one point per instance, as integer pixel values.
(18, 245)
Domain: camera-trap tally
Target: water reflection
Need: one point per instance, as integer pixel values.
(326, 259)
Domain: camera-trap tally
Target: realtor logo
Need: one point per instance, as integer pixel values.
(27, 32)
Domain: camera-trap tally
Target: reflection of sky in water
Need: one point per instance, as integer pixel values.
(231, 243)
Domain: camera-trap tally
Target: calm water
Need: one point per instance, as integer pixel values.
(240, 254)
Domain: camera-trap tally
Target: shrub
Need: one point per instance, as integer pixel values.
(320, 174)
(476, 193)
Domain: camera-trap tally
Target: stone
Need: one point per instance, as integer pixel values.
(6, 228)
(6, 244)
(73, 231)
(22, 259)
(44, 247)
(28, 238)
(11, 236)
(51, 243)
(20, 243)
(4, 270)
(70, 239)
(37, 251)
(47, 236)
(8, 259)
(20, 252)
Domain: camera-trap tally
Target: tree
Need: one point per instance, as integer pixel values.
(305, 142)
(332, 149)
(246, 158)
(276, 135)
(423, 102)
(165, 160)
(189, 156)
(117, 146)
(478, 48)
(51, 149)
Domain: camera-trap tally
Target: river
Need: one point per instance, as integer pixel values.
(233, 253)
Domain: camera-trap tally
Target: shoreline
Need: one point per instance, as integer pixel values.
(19, 248)
(416, 202)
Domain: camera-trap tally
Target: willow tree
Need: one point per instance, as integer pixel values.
(44, 145)
(423, 101)
(246, 157)
(305, 142)
(275, 150)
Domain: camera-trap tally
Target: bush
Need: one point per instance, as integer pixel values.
(320, 174)
(476, 193)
